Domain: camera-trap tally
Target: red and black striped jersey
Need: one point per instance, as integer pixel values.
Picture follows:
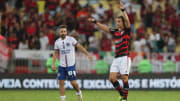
(122, 41)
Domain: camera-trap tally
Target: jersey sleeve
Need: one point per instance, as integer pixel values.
(74, 41)
(56, 46)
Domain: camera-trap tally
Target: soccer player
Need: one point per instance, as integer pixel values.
(121, 63)
(65, 45)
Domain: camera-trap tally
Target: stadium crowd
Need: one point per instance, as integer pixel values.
(32, 24)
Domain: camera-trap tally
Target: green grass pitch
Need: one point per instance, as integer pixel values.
(89, 95)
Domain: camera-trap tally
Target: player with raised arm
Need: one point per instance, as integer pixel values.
(121, 63)
(65, 45)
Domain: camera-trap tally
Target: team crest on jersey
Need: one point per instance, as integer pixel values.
(68, 44)
(117, 33)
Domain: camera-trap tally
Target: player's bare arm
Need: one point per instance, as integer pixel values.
(101, 26)
(128, 24)
(55, 54)
(81, 48)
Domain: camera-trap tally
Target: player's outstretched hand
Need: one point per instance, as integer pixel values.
(90, 57)
(53, 68)
(92, 20)
(121, 4)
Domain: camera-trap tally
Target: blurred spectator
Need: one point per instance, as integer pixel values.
(94, 15)
(179, 4)
(100, 10)
(145, 44)
(157, 18)
(2, 5)
(19, 32)
(178, 24)
(144, 5)
(41, 6)
(51, 37)
(148, 16)
(81, 29)
(173, 21)
(160, 43)
(71, 22)
(105, 19)
(83, 13)
(131, 14)
(13, 40)
(141, 31)
(23, 44)
(105, 43)
(110, 12)
(52, 5)
(34, 43)
(10, 3)
(67, 5)
(137, 45)
(165, 26)
(50, 22)
(101, 66)
(44, 41)
(152, 40)
(31, 30)
(149, 2)
(49, 64)
(168, 10)
(171, 47)
(169, 65)
(75, 7)
(85, 29)
(18, 4)
(145, 66)
(93, 44)
(29, 5)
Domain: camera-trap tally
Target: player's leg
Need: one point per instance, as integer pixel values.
(62, 90)
(124, 70)
(114, 70)
(115, 82)
(72, 77)
(126, 85)
(75, 85)
(62, 77)
(78, 91)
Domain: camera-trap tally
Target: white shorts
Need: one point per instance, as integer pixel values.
(121, 65)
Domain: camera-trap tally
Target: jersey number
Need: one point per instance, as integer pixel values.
(72, 73)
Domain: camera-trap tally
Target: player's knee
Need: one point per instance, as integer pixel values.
(73, 83)
(124, 79)
(112, 79)
(61, 83)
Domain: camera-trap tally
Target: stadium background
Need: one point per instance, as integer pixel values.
(28, 29)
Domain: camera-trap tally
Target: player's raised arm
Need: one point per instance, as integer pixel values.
(55, 54)
(101, 26)
(127, 22)
(80, 47)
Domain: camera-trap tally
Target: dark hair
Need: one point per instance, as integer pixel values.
(51, 55)
(62, 26)
(145, 56)
(123, 20)
(169, 58)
